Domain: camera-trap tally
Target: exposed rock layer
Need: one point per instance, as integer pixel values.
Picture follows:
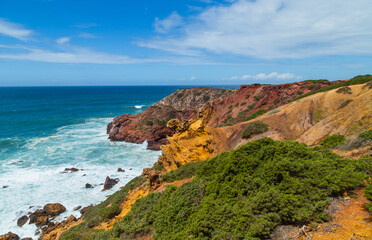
(229, 107)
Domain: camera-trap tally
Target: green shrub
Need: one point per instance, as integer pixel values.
(236, 105)
(312, 86)
(180, 95)
(183, 172)
(333, 141)
(258, 97)
(247, 95)
(318, 115)
(158, 167)
(230, 107)
(300, 92)
(254, 128)
(354, 81)
(273, 111)
(161, 122)
(255, 114)
(149, 123)
(368, 195)
(316, 81)
(367, 135)
(206, 98)
(243, 103)
(243, 194)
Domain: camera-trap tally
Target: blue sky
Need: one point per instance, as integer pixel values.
(179, 42)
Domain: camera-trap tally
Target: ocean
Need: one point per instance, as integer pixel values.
(44, 130)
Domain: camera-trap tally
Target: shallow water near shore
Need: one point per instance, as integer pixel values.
(45, 130)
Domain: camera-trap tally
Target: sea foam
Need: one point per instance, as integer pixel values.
(34, 172)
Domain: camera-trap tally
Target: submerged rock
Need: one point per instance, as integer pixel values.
(71, 170)
(22, 220)
(109, 183)
(9, 236)
(77, 208)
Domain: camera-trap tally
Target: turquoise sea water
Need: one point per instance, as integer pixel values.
(44, 130)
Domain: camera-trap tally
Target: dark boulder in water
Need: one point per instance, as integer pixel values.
(5, 186)
(88, 185)
(121, 170)
(22, 220)
(54, 209)
(109, 183)
(70, 170)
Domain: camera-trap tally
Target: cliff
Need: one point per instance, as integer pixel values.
(151, 125)
(230, 107)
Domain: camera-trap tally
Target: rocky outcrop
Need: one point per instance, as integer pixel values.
(109, 183)
(9, 236)
(193, 141)
(151, 126)
(54, 231)
(41, 217)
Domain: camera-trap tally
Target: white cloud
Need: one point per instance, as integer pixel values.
(86, 25)
(87, 35)
(272, 29)
(75, 54)
(165, 25)
(192, 78)
(270, 76)
(14, 30)
(63, 40)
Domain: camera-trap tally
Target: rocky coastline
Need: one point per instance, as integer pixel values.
(196, 131)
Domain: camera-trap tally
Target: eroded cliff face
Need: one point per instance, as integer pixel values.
(229, 107)
(248, 99)
(192, 142)
(151, 125)
(347, 111)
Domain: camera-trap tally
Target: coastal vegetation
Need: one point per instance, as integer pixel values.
(333, 141)
(242, 194)
(254, 128)
(360, 79)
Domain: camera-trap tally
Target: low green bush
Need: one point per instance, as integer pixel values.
(254, 128)
(185, 171)
(255, 114)
(161, 122)
(149, 122)
(316, 81)
(312, 86)
(368, 194)
(258, 97)
(333, 141)
(367, 135)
